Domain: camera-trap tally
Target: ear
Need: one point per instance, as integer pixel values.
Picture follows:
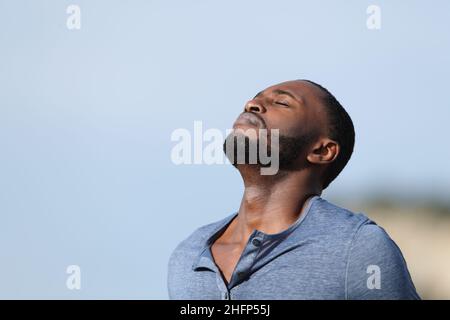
(323, 152)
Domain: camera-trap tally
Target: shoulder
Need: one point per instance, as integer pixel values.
(376, 267)
(336, 220)
(371, 235)
(372, 244)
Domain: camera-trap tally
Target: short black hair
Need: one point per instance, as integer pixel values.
(341, 130)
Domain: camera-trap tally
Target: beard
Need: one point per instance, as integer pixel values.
(245, 150)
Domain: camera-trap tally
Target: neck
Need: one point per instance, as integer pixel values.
(271, 204)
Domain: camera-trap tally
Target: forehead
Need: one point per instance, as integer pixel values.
(303, 90)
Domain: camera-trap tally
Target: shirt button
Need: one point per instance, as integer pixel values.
(256, 242)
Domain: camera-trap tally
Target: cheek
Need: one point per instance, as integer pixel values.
(290, 126)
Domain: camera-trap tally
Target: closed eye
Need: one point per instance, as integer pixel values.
(283, 103)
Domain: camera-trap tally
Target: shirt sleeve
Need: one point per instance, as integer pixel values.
(376, 268)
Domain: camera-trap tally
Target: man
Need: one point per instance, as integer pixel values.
(286, 242)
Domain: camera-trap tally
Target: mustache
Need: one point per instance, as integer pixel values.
(253, 118)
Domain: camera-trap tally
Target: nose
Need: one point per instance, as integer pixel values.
(252, 106)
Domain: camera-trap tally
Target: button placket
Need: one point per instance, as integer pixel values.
(248, 257)
(256, 242)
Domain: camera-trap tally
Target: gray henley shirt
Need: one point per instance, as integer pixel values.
(328, 253)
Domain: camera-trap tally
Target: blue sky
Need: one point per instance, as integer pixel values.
(86, 117)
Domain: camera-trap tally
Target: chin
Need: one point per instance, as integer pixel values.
(250, 132)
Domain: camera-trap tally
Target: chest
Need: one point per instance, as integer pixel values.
(226, 257)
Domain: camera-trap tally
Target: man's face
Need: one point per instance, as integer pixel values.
(292, 107)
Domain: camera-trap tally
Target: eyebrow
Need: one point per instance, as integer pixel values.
(280, 91)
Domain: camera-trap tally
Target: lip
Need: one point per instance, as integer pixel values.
(250, 118)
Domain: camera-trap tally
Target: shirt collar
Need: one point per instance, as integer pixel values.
(205, 259)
